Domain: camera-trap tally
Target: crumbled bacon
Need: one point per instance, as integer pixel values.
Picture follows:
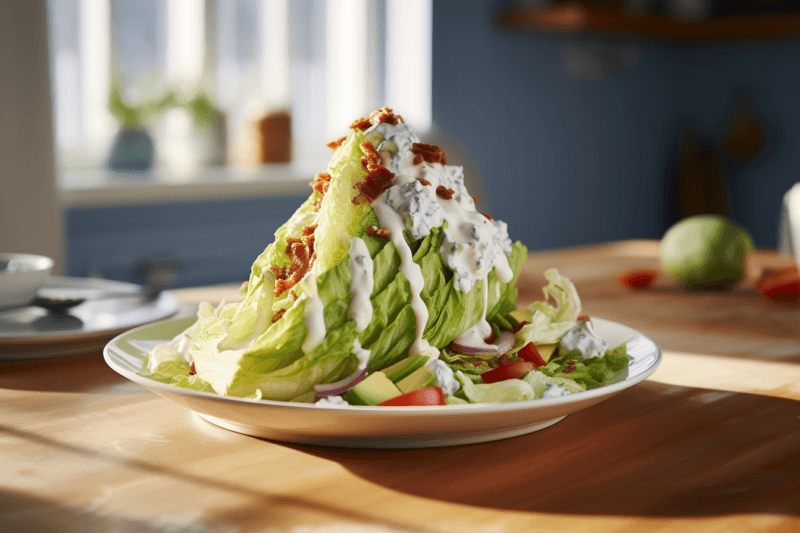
(377, 180)
(277, 316)
(317, 204)
(487, 215)
(321, 183)
(301, 254)
(570, 366)
(444, 193)
(333, 145)
(361, 124)
(192, 370)
(293, 294)
(371, 156)
(429, 152)
(418, 159)
(474, 200)
(280, 272)
(379, 116)
(424, 181)
(377, 232)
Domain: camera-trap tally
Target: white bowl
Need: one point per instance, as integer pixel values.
(21, 277)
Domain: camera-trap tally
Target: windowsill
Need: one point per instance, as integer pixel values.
(93, 186)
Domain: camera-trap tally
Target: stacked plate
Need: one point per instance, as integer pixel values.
(108, 309)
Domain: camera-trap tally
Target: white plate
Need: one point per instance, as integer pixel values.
(378, 427)
(32, 333)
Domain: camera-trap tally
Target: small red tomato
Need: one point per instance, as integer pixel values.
(514, 370)
(638, 279)
(519, 327)
(427, 396)
(782, 285)
(531, 354)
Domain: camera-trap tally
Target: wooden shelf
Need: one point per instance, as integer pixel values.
(574, 18)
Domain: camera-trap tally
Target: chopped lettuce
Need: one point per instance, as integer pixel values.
(592, 372)
(548, 323)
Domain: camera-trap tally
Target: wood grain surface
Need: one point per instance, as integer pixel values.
(710, 443)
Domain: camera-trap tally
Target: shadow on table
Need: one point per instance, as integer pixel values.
(83, 373)
(653, 450)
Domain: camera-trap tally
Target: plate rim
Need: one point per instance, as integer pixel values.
(373, 410)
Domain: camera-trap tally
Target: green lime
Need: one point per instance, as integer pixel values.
(706, 252)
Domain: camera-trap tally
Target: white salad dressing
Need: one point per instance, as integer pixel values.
(476, 335)
(583, 338)
(391, 221)
(445, 379)
(554, 390)
(315, 319)
(332, 401)
(362, 283)
(361, 354)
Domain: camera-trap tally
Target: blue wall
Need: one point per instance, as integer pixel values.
(216, 242)
(577, 162)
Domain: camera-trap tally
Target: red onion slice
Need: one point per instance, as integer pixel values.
(338, 387)
(500, 346)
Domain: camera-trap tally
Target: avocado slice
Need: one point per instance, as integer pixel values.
(374, 389)
(517, 316)
(547, 351)
(401, 369)
(418, 379)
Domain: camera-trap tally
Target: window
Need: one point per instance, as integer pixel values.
(325, 62)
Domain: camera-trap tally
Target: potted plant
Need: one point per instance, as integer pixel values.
(132, 150)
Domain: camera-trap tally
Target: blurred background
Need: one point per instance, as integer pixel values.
(177, 135)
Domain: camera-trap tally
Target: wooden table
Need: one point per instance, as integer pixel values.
(710, 443)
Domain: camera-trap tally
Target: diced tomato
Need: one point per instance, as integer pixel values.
(427, 396)
(782, 285)
(531, 354)
(514, 370)
(638, 279)
(519, 327)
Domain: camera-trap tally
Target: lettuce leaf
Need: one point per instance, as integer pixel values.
(548, 323)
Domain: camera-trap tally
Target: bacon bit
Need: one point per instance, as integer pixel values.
(487, 215)
(371, 156)
(378, 179)
(474, 200)
(280, 272)
(278, 315)
(418, 159)
(476, 363)
(333, 145)
(444, 193)
(504, 359)
(317, 204)
(192, 370)
(570, 367)
(360, 124)
(379, 116)
(424, 182)
(377, 232)
(302, 256)
(293, 294)
(321, 183)
(429, 152)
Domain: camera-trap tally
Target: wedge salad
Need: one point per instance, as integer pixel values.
(388, 287)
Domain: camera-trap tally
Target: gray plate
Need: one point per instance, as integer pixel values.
(31, 332)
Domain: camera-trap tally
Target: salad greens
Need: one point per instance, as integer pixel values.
(295, 337)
